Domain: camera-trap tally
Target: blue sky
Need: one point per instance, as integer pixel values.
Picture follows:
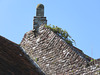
(81, 18)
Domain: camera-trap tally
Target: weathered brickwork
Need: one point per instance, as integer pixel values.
(55, 56)
(38, 21)
(39, 18)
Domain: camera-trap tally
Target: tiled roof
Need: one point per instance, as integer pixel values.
(82, 53)
(14, 61)
(55, 56)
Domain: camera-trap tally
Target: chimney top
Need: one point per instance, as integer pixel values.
(40, 6)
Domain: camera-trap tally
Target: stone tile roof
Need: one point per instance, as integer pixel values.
(14, 61)
(82, 53)
(55, 56)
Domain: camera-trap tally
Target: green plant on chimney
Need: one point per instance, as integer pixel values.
(62, 33)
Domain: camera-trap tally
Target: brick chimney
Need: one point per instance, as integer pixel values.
(39, 19)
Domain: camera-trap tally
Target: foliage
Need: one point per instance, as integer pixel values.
(92, 60)
(86, 56)
(62, 33)
(36, 59)
(72, 71)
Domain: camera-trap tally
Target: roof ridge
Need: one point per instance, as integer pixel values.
(79, 52)
(3, 38)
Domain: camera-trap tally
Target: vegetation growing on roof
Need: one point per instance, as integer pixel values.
(92, 60)
(62, 33)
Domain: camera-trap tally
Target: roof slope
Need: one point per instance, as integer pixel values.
(54, 55)
(13, 61)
